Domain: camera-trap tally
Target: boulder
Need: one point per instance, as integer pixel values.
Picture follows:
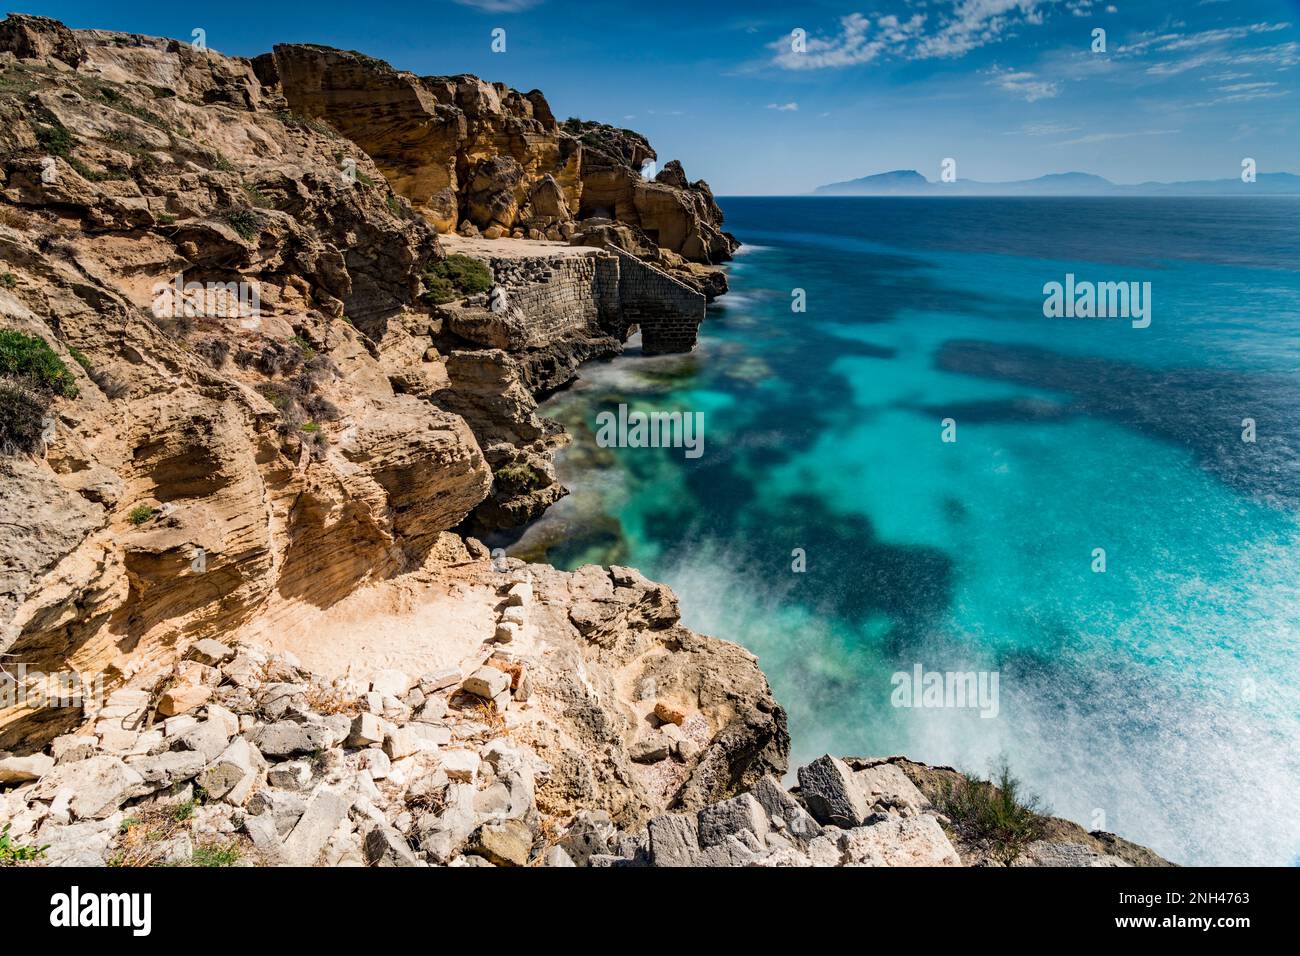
(443, 836)
(232, 776)
(888, 788)
(460, 765)
(24, 769)
(325, 811)
(674, 840)
(290, 775)
(556, 856)
(732, 818)
(208, 738)
(508, 843)
(395, 683)
(210, 652)
(487, 683)
(167, 769)
(384, 846)
(831, 793)
(898, 841)
(96, 787)
(183, 698)
(785, 812)
(287, 738)
(367, 730)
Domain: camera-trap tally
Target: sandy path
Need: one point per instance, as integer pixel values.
(415, 628)
(507, 248)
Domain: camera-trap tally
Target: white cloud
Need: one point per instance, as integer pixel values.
(1023, 84)
(1046, 129)
(499, 6)
(783, 107)
(1105, 137)
(967, 25)
(1280, 55)
(976, 23)
(850, 46)
(1209, 48)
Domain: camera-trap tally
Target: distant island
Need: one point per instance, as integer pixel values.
(908, 182)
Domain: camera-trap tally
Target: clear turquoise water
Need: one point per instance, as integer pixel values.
(1159, 700)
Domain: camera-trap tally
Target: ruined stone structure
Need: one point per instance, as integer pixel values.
(668, 312)
(550, 298)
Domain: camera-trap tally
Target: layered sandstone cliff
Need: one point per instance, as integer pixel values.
(220, 463)
(479, 157)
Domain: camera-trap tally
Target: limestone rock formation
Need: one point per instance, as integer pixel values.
(478, 155)
(197, 260)
(265, 413)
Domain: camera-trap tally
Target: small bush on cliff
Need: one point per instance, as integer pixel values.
(217, 854)
(214, 350)
(55, 140)
(29, 359)
(455, 277)
(140, 514)
(993, 814)
(518, 477)
(12, 853)
(246, 222)
(79, 357)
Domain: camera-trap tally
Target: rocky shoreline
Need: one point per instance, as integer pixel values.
(187, 490)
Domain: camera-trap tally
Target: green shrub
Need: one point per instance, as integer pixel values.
(246, 222)
(455, 277)
(30, 359)
(993, 814)
(80, 358)
(308, 350)
(518, 477)
(55, 140)
(220, 854)
(140, 514)
(257, 198)
(8, 280)
(11, 852)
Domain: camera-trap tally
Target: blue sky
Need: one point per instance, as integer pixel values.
(1009, 88)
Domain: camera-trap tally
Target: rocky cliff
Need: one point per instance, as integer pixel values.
(262, 409)
(479, 157)
(254, 397)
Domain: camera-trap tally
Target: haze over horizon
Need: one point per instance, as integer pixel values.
(1009, 88)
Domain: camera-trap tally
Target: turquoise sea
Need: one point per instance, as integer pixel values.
(1159, 699)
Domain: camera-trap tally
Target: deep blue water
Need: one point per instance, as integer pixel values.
(1159, 699)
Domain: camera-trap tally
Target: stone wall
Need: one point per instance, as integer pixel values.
(668, 312)
(553, 298)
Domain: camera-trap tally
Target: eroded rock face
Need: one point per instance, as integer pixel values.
(308, 425)
(478, 154)
(38, 38)
(215, 463)
(461, 149)
(496, 759)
